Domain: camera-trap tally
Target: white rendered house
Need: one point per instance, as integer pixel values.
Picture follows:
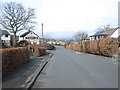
(30, 36)
(5, 37)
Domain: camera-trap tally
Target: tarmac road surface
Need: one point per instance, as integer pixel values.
(70, 69)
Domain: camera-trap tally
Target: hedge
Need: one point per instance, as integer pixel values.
(45, 46)
(48, 46)
(39, 51)
(77, 47)
(13, 58)
(106, 46)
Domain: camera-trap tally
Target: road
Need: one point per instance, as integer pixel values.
(70, 69)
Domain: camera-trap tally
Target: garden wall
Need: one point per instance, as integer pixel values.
(13, 58)
(106, 46)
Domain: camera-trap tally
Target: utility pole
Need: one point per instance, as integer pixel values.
(42, 35)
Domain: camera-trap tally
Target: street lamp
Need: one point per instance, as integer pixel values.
(42, 35)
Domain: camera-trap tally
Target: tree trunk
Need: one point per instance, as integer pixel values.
(0, 42)
(14, 40)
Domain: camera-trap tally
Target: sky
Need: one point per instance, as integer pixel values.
(63, 18)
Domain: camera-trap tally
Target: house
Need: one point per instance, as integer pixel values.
(30, 36)
(5, 37)
(103, 34)
(51, 42)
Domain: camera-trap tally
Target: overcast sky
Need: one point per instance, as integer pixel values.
(62, 18)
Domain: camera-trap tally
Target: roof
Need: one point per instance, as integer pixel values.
(24, 34)
(4, 32)
(108, 32)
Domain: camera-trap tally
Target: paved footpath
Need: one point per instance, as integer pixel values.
(70, 69)
(22, 76)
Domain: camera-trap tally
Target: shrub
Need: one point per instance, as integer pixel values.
(39, 51)
(94, 48)
(77, 47)
(13, 58)
(23, 43)
(106, 47)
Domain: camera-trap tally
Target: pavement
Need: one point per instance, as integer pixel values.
(70, 69)
(25, 75)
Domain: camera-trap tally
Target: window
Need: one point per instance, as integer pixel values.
(31, 37)
(6, 35)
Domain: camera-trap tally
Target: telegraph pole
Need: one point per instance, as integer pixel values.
(42, 35)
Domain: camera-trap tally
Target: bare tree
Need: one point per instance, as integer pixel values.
(16, 18)
(80, 36)
(106, 27)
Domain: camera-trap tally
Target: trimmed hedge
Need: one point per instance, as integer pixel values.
(48, 46)
(13, 58)
(39, 51)
(77, 47)
(106, 46)
(45, 46)
(94, 47)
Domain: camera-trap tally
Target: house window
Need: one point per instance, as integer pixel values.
(6, 35)
(95, 37)
(26, 37)
(98, 37)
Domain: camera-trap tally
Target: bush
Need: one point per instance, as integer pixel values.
(23, 43)
(48, 46)
(4, 46)
(87, 46)
(94, 48)
(39, 51)
(77, 47)
(45, 46)
(106, 47)
(13, 58)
